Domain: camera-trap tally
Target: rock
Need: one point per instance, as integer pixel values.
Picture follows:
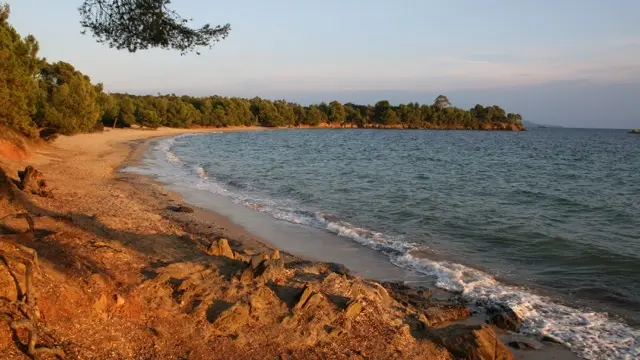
(180, 208)
(477, 342)
(437, 314)
(232, 319)
(247, 276)
(242, 257)
(221, 247)
(102, 305)
(338, 268)
(504, 318)
(354, 308)
(257, 259)
(32, 181)
(521, 345)
(275, 255)
(263, 300)
(304, 297)
(269, 269)
(314, 300)
(119, 300)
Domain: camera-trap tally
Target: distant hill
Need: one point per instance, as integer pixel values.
(531, 125)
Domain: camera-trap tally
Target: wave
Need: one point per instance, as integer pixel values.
(591, 335)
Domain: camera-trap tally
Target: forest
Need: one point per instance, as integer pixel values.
(36, 95)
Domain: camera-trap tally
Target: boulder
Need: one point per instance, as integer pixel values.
(478, 342)
(505, 318)
(32, 181)
(221, 247)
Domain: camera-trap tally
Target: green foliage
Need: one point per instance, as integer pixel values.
(143, 24)
(68, 101)
(18, 66)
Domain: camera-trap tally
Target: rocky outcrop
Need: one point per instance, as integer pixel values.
(32, 181)
(472, 342)
(504, 318)
(221, 247)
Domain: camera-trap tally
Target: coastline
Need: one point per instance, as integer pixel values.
(119, 241)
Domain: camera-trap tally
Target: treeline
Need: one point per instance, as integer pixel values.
(36, 95)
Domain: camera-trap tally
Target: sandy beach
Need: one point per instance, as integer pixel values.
(127, 270)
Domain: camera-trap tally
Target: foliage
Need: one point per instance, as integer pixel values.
(68, 101)
(220, 111)
(18, 66)
(142, 24)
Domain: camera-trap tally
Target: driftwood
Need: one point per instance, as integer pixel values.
(26, 302)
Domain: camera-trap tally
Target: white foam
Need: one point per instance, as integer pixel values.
(591, 335)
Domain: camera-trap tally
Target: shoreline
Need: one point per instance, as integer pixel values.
(116, 264)
(202, 213)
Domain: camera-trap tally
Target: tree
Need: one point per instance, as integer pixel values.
(337, 114)
(126, 117)
(441, 102)
(68, 102)
(315, 116)
(142, 24)
(18, 67)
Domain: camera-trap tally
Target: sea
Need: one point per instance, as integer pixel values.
(546, 221)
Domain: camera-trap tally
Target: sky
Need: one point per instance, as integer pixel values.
(566, 62)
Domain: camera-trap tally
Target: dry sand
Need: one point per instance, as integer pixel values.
(123, 277)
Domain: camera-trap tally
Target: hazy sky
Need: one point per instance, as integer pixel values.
(570, 62)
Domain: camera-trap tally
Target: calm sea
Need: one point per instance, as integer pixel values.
(546, 221)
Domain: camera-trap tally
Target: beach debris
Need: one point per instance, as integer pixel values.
(504, 318)
(180, 208)
(32, 181)
(221, 247)
(476, 342)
